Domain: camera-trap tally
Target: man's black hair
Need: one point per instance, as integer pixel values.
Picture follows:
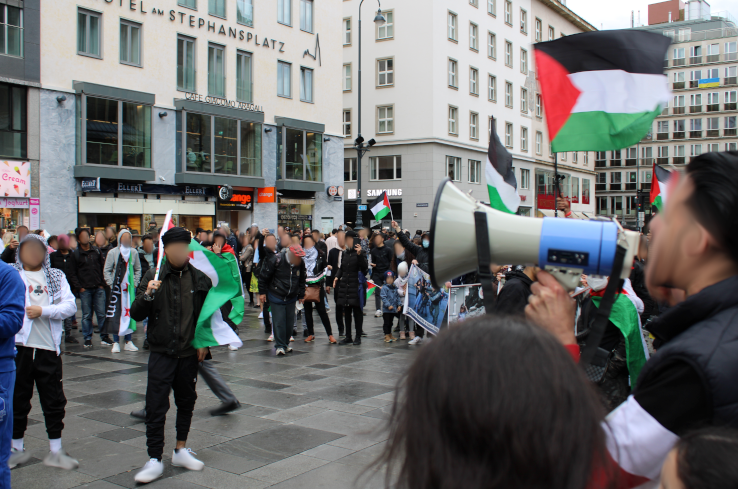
(145, 237)
(334, 231)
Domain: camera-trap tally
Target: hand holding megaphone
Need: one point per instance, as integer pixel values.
(551, 308)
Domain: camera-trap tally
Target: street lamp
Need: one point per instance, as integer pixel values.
(361, 148)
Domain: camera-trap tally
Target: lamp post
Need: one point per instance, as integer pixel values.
(361, 148)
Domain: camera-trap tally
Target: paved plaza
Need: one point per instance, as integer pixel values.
(312, 419)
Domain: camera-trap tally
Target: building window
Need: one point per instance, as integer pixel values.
(508, 54)
(453, 166)
(385, 72)
(524, 139)
(130, 43)
(452, 73)
(473, 81)
(551, 33)
(11, 36)
(539, 106)
(524, 179)
(385, 168)
(89, 40)
(245, 12)
(473, 3)
(350, 171)
(385, 119)
(473, 125)
(539, 30)
(695, 149)
(347, 122)
(475, 171)
(473, 37)
(303, 155)
(216, 70)
(115, 133)
(244, 83)
(452, 26)
(453, 117)
(492, 88)
(586, 158)
(731, 146)
(508, 94)
(306, 84)
(347, 32)
(284, 12)
(491, 45)
(306, 15)
(387, 30)
(347, 77)
(185, 64)
(523, 21)
(188, 3)
(217, 8)
(539, 141)
(13, 121)
(284, 79)
(563, 155)
(574, 157)
(508, 134)
(492, 7)
(508, 12)
(524, 61)
(524, 100)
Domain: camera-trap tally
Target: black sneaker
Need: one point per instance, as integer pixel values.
(146, 344)
(106, 341)
(69, 339)
(140, 414)
(357, 341)
(364, 334)
(346, 341)
(225, 408)
(88, 343)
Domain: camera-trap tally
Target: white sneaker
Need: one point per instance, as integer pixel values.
(288, 349)
(280, 351)
(18, 457)
(292, 338)
(261, 315)
(232, 348)
(378, 314)
(415, 341)
(184, 458)
(150, 472)
(271, 337)
(116, 348)
(327, 309)
(130, 346)
(61, 460)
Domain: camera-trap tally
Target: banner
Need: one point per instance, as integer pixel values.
(425, 304)
(464, 302)
(118, 319)
(15, 179)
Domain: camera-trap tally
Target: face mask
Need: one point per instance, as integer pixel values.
(401, 256)
(426, 243)
(597, 283)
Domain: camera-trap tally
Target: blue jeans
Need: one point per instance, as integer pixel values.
(7, 386)
(92, 298)
(116, 338)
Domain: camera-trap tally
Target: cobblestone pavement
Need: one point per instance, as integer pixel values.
(312, 419)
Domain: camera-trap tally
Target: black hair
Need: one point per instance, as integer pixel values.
(79, 231)
(334, 231)
(309, 236)
(145, 237)
(707, 458)
(715, 197)
(53, 237)
(514, 411)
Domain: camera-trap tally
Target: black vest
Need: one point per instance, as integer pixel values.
(703, 331)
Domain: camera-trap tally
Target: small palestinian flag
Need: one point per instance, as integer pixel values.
(501, 183)
(371, 287)
(602, 90)
(380, 207)
(659, 187)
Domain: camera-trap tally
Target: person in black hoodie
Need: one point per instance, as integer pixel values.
(513, 297)
(63, 259)
(90, 282)
(8, 255)
(347, 286)
(381, 262)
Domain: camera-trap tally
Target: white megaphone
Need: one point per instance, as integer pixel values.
(566, 248)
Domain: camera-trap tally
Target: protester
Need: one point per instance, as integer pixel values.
(90, 280)
(690, 382)
(334, 262)
(316, 264)
(282, 283)
(381, 257)
(146, 254)
(391, 305)
(8, 255)
(53, 243)
(221, 245)
(703, 459)
(422, 259)
(246, 258)
(332, 241)
(513, 297)
(348, 286)
(110, 237)
(270, 248)
(63, 260)
(136, 242)
(114, 270)
(48, 302)
(72, 241)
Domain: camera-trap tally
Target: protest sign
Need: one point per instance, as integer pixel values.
(425, 304)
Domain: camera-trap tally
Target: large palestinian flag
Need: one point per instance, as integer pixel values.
(602, 90)
(501, 183)
(659, 185)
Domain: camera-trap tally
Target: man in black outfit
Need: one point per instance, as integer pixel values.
(513, 297)
(381, 260)
(172, 305)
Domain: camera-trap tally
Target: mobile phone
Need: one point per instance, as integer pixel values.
(15, 237)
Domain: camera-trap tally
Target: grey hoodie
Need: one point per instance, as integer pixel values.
(111, 263)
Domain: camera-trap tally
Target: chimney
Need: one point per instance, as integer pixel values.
(669, 16)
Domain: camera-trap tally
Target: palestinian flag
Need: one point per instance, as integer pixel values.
(211, 329)
(501, 183)
(602, 90)
(371, 287)
(659, 186)
(380, 207)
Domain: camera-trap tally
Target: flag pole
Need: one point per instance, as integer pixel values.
(556, 184)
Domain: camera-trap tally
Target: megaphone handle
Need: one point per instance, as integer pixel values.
(484, 259)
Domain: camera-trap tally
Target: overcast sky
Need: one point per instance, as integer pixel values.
(616, 15)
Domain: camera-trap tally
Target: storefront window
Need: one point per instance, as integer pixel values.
(251, 149)
(198, 143)
(107, 142)
(12, 121)
(314, 157)
(303, 155)
(226, 140)
(295, 213)
(294, 154)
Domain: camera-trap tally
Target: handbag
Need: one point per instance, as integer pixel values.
(312, 293)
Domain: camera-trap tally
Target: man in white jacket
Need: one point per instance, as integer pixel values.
(49, 301)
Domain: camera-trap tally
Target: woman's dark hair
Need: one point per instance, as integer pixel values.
(706, 459)
(495, 403)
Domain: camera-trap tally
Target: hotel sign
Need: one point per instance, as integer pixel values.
(234, 104)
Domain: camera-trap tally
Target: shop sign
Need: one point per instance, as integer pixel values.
(35, 213)
(109, 187)
(338, 199)
(266, 195)
(15, 179)
(421, 204)
(340, 190)
(239, 201)
(391, 192)
(90, 184)
(332, 191)
(296, 217)
(14, 203)
(234, 104)
(351, 194)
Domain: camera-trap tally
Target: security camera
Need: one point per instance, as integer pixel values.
(162, 179)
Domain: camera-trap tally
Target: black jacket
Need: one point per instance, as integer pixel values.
(90, 265)
(638, 280)
(281, 280)
(67, 264)
(167, 331)
(347, 288)
(8, 255)
(382, 259)
(514, 294)
(322, 247)
(421, 254)
(144, 263)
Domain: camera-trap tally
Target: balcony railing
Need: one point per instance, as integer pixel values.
(661, 136)
(695, 109)
(615, 186)
(713, 107)
(616, 163)
(600, 187)
(646, 186)
(713, 58)
(678, 160)
(713, 133)
(729, 132)
(630, 186)
(711, 33)
(678, 62)
(646, 161)
(695, 60)
(695, 134)
(678, 110)
(677, 85)
(731, 106)
(631, 162)
(662, 161)
(731, 56)
(665, 111)
(731, 80)
(600, 163)
(677, 135)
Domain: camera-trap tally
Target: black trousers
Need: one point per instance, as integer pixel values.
(265, 314)
(389, 318)
(44, 368)
(166, 374)
(356, 312)
(339, 319)
(320, 306)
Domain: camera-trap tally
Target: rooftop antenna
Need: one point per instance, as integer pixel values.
(632, 20)
(639, 18)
